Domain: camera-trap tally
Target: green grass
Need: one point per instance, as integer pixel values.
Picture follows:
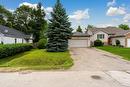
(38, 60)
(124, 52)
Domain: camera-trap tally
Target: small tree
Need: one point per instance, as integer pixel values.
(90, 26)
(79, 29)
(124, 26)
(58, 30)
(117, 43)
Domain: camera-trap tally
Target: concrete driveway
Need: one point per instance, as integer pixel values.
(91, 59)
(93, 68)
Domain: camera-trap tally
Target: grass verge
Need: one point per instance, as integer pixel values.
(124, 52)
(38, 60)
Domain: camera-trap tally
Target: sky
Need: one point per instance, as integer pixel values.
(100, 13)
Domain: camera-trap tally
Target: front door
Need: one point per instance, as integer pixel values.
(109, 41)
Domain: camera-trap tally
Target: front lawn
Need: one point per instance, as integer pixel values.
(124, 52)
(38, 60)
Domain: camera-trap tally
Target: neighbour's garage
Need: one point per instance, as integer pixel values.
(128, 42)
(79, 40)
(121, 39)
(124, 40)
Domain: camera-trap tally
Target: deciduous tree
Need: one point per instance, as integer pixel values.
(124, 26)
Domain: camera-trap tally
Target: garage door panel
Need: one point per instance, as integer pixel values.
(78, 43)
(128, 42)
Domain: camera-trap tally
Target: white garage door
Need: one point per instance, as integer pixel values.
(79, 43)
(128, 42)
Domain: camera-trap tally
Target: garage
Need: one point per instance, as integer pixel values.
(128, 42)
(79, 43)
(79, 40)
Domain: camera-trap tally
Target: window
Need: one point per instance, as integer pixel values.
(100, 36)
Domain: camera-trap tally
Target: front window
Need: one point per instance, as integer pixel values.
(100, 36)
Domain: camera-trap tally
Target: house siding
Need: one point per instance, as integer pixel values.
(11, 40)
(105, 40)
(8, 40)
(121, 39)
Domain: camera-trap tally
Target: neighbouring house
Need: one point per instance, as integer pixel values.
(12, 36)
(107, 35)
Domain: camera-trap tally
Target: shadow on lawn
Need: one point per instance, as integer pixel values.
(4, 61)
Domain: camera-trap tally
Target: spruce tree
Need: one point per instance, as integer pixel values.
(58, 30)
(79, 29)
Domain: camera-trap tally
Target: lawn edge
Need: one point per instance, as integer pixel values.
(117, 56)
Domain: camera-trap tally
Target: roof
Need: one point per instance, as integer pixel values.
(79, 34)
(111, 31)
(10, 32)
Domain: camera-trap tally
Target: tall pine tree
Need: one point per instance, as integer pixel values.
(58, 30)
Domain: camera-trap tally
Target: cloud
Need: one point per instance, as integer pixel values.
(103, 25)
(126, 18)
(111, 3)
(115, 20)
(47, 10)
(80, 15)
(114, 11)
(29, 4)
(11, 10)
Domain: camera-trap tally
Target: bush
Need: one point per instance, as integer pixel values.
(42, 44)
(118, 43)
(121, 46)
(12, 49)
(98, 43)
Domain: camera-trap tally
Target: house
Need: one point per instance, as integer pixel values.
(107, 35)
(11, 36)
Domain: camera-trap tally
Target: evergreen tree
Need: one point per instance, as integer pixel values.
(90, 26)
(58, 30)
(79, 29)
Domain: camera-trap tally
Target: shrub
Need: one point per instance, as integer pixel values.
(118, 43)
(42, 44)
(121, 46)
(98, 43)
(12, 49)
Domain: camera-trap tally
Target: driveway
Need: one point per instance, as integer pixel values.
(93, 68)
(91, 59)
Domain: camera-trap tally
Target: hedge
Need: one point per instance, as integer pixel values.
(12, 49)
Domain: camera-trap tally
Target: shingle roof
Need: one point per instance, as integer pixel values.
(10, 32)
(79, 34)
(110, 30)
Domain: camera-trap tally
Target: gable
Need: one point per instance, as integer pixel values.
(100, 32)
(89, 32)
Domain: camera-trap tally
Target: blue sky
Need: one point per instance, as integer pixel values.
(100, 13)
